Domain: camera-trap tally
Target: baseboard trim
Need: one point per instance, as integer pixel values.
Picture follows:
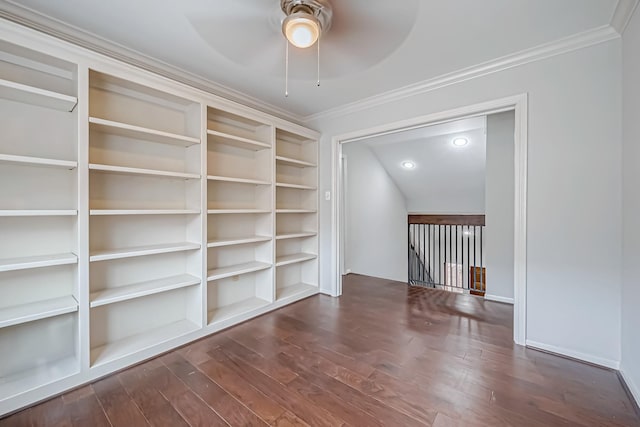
(593, 360)
(496, 298)
(632, 390)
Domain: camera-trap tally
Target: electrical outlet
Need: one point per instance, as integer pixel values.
(327, 195)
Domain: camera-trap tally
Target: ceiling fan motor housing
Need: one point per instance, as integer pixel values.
(319, 9)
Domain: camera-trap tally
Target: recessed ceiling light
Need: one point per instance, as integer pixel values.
(460, 142)
(408, 165)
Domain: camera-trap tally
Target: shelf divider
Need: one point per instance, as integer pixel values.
(295, 186)
(138, 132)
(122, 170)
(38, 212)
(288, 161)
(136, 251)
(231, 241)
(237, 180)
(39, 261)
(226, 312)
(238, 211)
(293, 259)
(37, 161)
(43, 375)
(295, 290)
(295, 211)
(32, 95)
(296, 235)
(141, 289)
(118, 349)
(16, 315)
(238, 141)
(234, 270)
(116, 212)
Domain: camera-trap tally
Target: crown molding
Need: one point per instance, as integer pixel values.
(42, 23)
(548, 50)
(622, 14)
(68, 33)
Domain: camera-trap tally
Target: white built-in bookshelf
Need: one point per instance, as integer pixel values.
(296, 247)
(144, 227)
(136, 214)
(38, 220)
(240, 215)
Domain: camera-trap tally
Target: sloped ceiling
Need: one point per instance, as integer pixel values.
(444, 174)
(209, 38)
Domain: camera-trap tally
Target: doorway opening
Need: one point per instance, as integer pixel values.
(517, 105)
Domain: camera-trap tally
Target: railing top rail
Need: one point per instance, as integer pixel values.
(447, 219)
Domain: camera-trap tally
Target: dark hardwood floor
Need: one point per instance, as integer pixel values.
(381, 355)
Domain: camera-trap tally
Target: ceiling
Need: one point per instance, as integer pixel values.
(377, 45)
(442, 171)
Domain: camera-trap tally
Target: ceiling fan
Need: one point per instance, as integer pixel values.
(354, 35)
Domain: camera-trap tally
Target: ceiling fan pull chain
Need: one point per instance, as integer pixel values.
(286, 71)
(319, 61)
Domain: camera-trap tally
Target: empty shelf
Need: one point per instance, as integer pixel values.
(137, 132)
(38, 376)
(36, 96)
(234, 270)
(294, 162)
(37, 161)
(238, 141)
(295, 186)
(238, 180)
(24, 313)
(295, 291)
(108, 254)
(39, 212)
(23, 263)
(135, 343)
(221, 314)
(230, 241)
(137, 290)
(237, 211)
(295, 235)
(121, 170)
(113, 212)
(295, 258)
(295, 211)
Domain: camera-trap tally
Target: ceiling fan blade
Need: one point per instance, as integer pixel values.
(362, 36)
(244, 32)
(248, 33)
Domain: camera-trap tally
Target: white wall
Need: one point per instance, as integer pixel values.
(376, 234)
(574, 190)
(449, 202)
(500, 190)
(631, 206)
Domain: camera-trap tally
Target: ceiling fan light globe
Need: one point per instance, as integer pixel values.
(301, 30)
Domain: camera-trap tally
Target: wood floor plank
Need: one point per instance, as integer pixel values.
(272, 368)
(230, 409)
(377, 412)
(153, 405)
(195, 411)
(383, 354)
(87, 411)
(117, 404)
(289, 420)
(257, 401)
(285, 396)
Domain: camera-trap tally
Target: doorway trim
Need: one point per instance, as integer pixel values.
(518, 104)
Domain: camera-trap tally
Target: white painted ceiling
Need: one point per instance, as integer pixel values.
(443, 171)
(373, 49)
